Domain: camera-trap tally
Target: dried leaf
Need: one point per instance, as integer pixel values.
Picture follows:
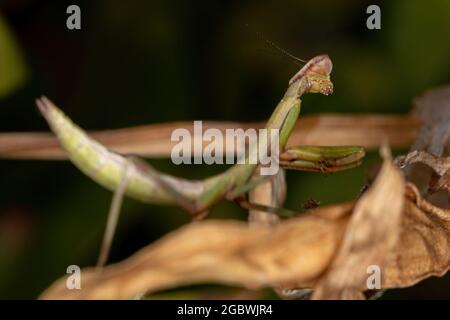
(433, 109)
(440, 165)
(424, 246)
(296, 253)
(292, 253)
(372, 232)
(423, 249)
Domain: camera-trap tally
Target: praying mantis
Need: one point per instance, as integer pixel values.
(141, 182)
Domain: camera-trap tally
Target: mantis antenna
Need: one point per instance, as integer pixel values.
(281, 50)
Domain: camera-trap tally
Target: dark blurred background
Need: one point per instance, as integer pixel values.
(139, 62)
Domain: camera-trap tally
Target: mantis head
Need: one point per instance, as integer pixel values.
(315, 76)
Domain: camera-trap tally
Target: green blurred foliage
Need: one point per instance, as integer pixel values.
(137, 62)
(13, 71)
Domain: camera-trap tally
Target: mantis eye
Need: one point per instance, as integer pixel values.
(322, 65)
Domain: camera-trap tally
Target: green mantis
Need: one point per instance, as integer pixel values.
(148, 185)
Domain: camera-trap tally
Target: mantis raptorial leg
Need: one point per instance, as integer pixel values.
(107, 168)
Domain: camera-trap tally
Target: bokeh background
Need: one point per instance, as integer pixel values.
(139, 62)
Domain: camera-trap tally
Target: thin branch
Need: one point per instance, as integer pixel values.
(153, 141)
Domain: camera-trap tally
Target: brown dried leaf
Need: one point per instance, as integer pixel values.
(423, 249)
(372, 232)
(424, 246)
(294, 253)
(433, 109)
(328, 249)
(440, 165)
(433, 140)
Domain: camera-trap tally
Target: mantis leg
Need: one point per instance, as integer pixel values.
(113, 217)
(272, 193)
(322, 158)
(264, 204)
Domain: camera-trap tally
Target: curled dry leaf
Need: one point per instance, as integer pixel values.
(423, 249)
(300, 252)
(327, 249)
(372, 232)
(293, 252)
(433, 109)
(440, 165)
(431, 147)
